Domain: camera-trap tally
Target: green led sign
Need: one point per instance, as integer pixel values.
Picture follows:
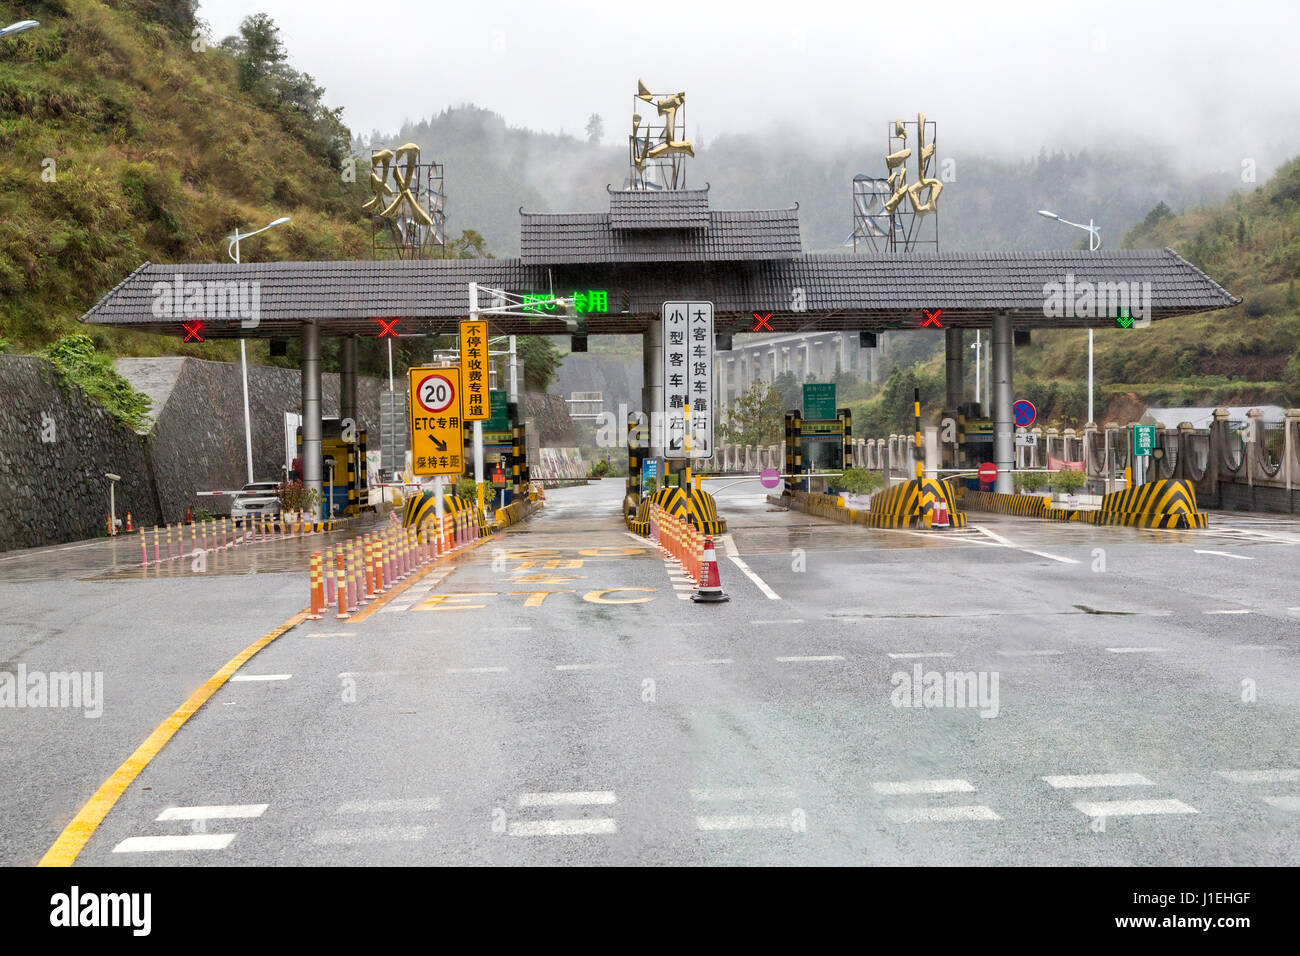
(593, 300)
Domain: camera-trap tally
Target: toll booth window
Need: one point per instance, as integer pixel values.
(824, 455)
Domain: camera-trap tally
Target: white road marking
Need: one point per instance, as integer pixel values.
(793, 620)
(1130, 808)
(1099, 780)
(476, 670)
(597, 827)
(716, 660)
(898, 787)
(251, 677)
(582, 667)
(941, 814)
(526, 627)
(1229, 611)
(575, 799)
(918, 655)
(1225, 554)
(1137, 650)
(411, 805)
(163, 844)
(394, 608)
(1260, 776)
(1291, 804)
(237, 811)
(1043, 653)
(1008, 543)
(734, 557)
(369, 835)
(803, 660)
(746, 821)
(709, 795)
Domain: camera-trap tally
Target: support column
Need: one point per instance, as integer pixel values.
(348, 379)
(311, 408)
(652, 385)
(953, 380)
(1004, 424)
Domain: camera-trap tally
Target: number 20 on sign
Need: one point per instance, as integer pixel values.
(437, 442)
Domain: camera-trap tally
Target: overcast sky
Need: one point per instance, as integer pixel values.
(1210, 83)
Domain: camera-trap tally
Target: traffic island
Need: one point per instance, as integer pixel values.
(1166, 503)
(907, 505)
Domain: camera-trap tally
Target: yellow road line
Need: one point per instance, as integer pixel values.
(76, 834)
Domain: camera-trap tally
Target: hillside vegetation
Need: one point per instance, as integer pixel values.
(125, 137)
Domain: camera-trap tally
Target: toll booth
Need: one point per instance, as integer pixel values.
(345, 458)
(813, 445)
(975, 440)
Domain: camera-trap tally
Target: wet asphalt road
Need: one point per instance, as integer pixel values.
(551, 697)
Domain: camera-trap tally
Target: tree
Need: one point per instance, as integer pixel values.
(541, 360)
(756, 418)
(595, 128)
(790, 389)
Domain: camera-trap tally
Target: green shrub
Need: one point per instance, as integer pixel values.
(1069, 481)
(78, 363)
(1031, 481)
(465, 488)
(858, 481)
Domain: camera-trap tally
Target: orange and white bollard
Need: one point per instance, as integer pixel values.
(369, 567)
(331, 599)
(341, 586)
(317, 589)
(144, 549)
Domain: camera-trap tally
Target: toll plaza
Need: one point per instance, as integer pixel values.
(645, 250)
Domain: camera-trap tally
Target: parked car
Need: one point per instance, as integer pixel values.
(256, 500)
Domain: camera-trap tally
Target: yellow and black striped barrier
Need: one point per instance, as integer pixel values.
(1024, 506)
(696, 506)
(907, 505)
(911, 503)
(641, 523)
(1166, 503)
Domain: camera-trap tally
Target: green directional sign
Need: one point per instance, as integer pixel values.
(498, 420)
(819, 401)
(1144, 440)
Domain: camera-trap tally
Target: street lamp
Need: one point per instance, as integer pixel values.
(232, 249)
(22, 26)
(1094, 243)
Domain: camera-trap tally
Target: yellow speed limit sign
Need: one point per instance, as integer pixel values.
(437, 442)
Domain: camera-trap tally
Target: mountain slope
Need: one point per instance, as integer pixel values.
(123, 138)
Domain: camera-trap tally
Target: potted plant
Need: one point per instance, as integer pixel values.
(1030, 482)
(856, 486)
(1068, 481)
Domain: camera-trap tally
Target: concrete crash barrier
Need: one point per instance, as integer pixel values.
(1024, 506)
(640, 524)
(513, 513)
(1167, 503)
(697, 507)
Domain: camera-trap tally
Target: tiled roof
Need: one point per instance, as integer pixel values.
(562, 238)
(835, 291)
(659, 209)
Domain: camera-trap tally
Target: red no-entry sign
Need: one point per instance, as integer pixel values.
(988, 472)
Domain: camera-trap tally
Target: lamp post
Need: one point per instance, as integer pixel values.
(1094, 243)
(232, 249)
(976, 346)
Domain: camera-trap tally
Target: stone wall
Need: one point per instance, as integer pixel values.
(54, 491)
(55, 446)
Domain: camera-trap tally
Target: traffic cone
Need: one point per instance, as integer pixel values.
(130, 525)
(189, 515)
(939, 514)
(710, 589)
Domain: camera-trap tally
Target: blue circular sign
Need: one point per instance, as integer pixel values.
(1025, 413)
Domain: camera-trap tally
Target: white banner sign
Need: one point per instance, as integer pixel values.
(688, 379)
